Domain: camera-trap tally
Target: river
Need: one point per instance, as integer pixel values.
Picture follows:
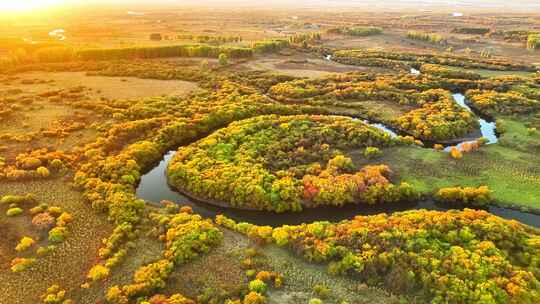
(155, 188)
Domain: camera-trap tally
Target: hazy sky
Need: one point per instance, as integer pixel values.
(418, 5)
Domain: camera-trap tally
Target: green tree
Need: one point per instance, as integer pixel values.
(223, 59)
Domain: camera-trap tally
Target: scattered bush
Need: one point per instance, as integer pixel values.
(357, 31)
(43, 172)
(254, 298)
(64, 219)
(258, 286)
(223, 59)
(321, 291)
(185, 238)
(42, 251)
(30, 163)
(372, 152)
(428, 37)
(21, 264)
(17, 199)
(56, 164)
(58, 234)
(25, 243)
(14, 211)
(455, 153)
(98, 273)
(472, 196)
(55, 295)
(471, 30)
(533, 41)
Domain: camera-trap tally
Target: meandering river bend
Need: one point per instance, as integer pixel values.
(155, 188)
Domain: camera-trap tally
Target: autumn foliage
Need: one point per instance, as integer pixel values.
(185, 236)
(282, 163)
(473, 196)
(440, 257)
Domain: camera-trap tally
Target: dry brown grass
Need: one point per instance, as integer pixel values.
(71, 260)
(42, 114)
(304, 65)
(220, 269)
(102, 86)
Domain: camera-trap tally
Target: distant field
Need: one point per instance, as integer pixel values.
(102, 86)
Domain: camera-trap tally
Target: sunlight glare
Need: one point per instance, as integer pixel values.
(26, 5)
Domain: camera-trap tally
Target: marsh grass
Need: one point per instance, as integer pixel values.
(513, 173)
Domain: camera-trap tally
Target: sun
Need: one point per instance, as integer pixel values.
(7, 6)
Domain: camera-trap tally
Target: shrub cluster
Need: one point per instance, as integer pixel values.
(393, 59)
(533, 41)
(269, 46)
(186, 236)
(112, 166)
(301, 38)
(471, 30)
(22, 264)
(434, 115)
(428, 37)
(445, 72)
(163, 52)
(51, 219)
(209, 39)
(55, 295)
(465, 256)
(357, 31)
(40, 163)
(473, 196)
(174, 299)
(438, 120)
(511, 102)
(275, 163)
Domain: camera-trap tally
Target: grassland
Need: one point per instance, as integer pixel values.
(78, 134)
(511, 166)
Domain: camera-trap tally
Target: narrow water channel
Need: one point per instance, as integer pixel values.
(155, 188)
(487, 128)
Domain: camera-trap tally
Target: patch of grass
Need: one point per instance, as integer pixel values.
(215, 274)
(513, 174)
(493, 73)
(303, 281)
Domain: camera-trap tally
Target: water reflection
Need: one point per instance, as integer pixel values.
(487, 128)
